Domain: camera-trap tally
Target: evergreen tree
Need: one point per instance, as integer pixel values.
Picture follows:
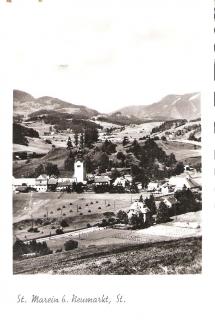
(69, 143)
(76, 139)
(162, 214)
(82, 140)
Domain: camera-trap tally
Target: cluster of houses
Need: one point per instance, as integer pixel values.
(45, 183)
(173, 184)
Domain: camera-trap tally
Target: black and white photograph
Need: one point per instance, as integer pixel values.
(107, 159)
(107, 143)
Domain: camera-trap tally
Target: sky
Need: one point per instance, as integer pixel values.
(103, 54)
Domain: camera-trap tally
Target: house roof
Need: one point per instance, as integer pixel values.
(179, 182)
(102, 179)
(42, 176)
(171, 200)
(65, 183)
(52, 181)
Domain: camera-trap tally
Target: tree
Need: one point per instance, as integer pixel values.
(76, 139)
(120, 156)
(70, 245)
(82, 140)
(125, 141)
(39, 170)
(179, 168)
(69, 143)
(89, 164)
(91, 136)
(150, 203)
(104, 162)
(19, 248)
(163, 213)
(78, 187)
(52, 169)
(122, 216)
(141, 198)
(69, 162)
(108, 147)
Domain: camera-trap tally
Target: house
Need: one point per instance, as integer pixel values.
(42, 183)
(102, 180)
(65, 183)
(153, 186)
(166, 188)
(170, 201)
(29, 182)
(23, 189)
(52, 183)
(123, 181)
(136, 208)
(179, 182)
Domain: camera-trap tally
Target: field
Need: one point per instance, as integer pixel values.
(182, 256)
(77, 209)
(183, 151)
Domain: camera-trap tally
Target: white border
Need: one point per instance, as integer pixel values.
(153, 297)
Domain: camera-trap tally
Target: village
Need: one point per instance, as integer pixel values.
(90, 204)
(105, 183)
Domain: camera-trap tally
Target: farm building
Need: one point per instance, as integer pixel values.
(180, 182)
(123, 181)
(52, 183)
(102, 180)
(64, 183)
(153, 186)
(136, 208)
(29, 182)
(42, 183)
(170, 201)
(166, 188)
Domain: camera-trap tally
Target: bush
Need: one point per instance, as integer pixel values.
(70, 245)
(64, 223)
(108, 214)
(33, 229)
(99, 207)
(59, 231)
(46, 223)
(88, 225)
(89, 210)
(58, 250)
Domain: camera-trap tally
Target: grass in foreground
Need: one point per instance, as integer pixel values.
(182, 256)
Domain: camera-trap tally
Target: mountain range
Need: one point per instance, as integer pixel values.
(171, 107)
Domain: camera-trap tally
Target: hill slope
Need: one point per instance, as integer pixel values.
(24, 104)
(185, 106)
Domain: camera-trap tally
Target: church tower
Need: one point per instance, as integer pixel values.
(79, 165)
(79, 171)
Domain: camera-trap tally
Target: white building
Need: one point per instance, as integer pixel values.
(180, 182)
(153, 186)
(29, 182)
(42, 183)
(136, 208)
(170, 201)
(79, 171)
